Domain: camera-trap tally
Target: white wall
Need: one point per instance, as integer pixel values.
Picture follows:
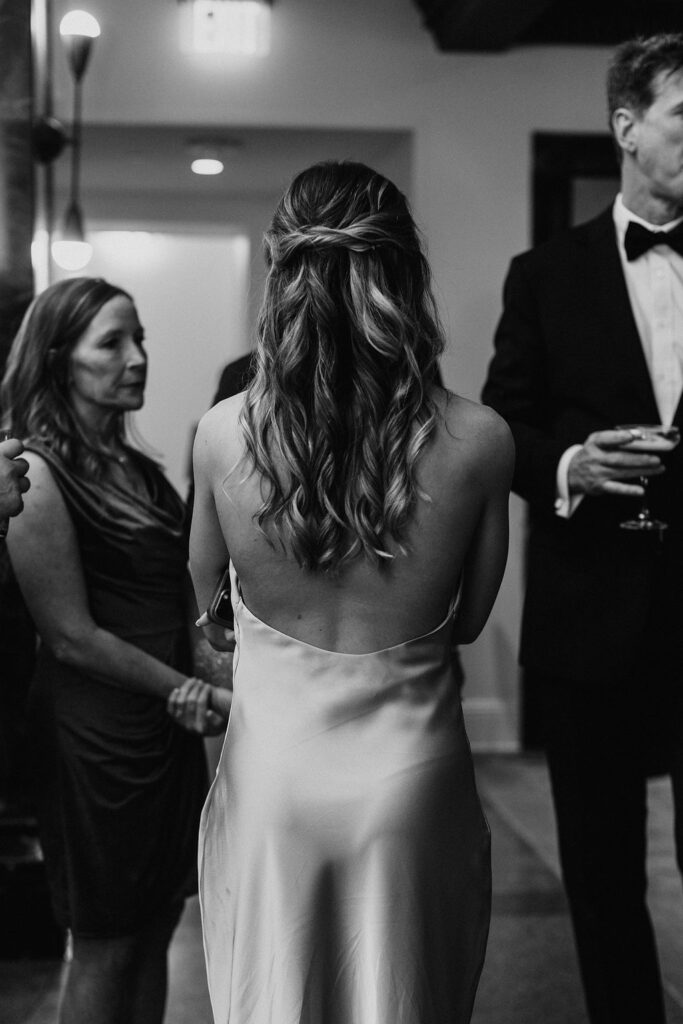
(354, 63)
(190, 291)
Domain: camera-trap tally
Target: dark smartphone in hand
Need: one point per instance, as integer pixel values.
(220, 606)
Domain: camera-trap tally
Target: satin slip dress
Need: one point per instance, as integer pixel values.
(344, 858)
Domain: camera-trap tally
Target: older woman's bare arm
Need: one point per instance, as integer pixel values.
(46, 559)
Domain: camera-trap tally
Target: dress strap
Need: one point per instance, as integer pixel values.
(235, 589)
(454, 606)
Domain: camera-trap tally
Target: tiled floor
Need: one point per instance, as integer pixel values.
(530, 973)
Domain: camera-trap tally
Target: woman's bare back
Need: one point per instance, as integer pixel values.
(464, 473)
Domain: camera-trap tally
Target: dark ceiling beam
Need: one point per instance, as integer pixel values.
(585, 22)
(479, 24)
(499, 24)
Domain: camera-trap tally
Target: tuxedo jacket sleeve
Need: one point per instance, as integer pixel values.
(517, 387)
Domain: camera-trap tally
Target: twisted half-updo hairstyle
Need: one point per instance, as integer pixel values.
(348, 340)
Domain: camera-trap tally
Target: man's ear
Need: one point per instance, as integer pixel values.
(625, 129)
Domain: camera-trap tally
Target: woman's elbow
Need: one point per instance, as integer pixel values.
(69, 646)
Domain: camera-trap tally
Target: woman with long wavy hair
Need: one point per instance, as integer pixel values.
(344, 857)
(100, 554)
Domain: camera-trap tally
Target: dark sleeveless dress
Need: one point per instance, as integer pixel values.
(119, 786)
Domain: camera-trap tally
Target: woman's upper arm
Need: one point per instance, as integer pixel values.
(487, 555)
(43, 548)
(208, 551)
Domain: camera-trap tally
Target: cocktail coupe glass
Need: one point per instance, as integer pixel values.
(656, 439)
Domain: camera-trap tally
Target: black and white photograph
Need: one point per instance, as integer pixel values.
(341, 512)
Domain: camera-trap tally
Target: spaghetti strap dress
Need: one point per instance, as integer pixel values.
(344, 857)
(119, 786)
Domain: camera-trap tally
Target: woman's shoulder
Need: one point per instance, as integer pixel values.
(223, 413)
(48, 492)
(219, 432)
(476, 432)
(470, 420)
(45, 465)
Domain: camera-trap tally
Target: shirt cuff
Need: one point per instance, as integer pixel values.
(566, 504)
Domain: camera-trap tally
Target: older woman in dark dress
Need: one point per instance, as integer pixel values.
(100, 556)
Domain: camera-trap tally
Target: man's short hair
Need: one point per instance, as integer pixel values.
(635, 66)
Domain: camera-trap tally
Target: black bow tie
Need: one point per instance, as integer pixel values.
(639, 239)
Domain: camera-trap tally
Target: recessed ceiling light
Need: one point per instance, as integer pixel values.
(207, 155)
(207, 165)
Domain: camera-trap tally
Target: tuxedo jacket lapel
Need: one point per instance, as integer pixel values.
(622, 340)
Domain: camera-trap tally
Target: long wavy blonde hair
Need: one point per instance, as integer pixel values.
(340, 407)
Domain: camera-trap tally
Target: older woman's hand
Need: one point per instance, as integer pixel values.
(190, 705)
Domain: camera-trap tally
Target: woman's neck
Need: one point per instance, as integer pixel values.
(98, 424)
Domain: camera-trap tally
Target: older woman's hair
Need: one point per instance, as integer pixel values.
(35, 388)
(340, 407)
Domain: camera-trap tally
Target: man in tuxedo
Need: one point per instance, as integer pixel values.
(591, 338)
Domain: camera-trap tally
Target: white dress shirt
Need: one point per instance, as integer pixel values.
(654, 282)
